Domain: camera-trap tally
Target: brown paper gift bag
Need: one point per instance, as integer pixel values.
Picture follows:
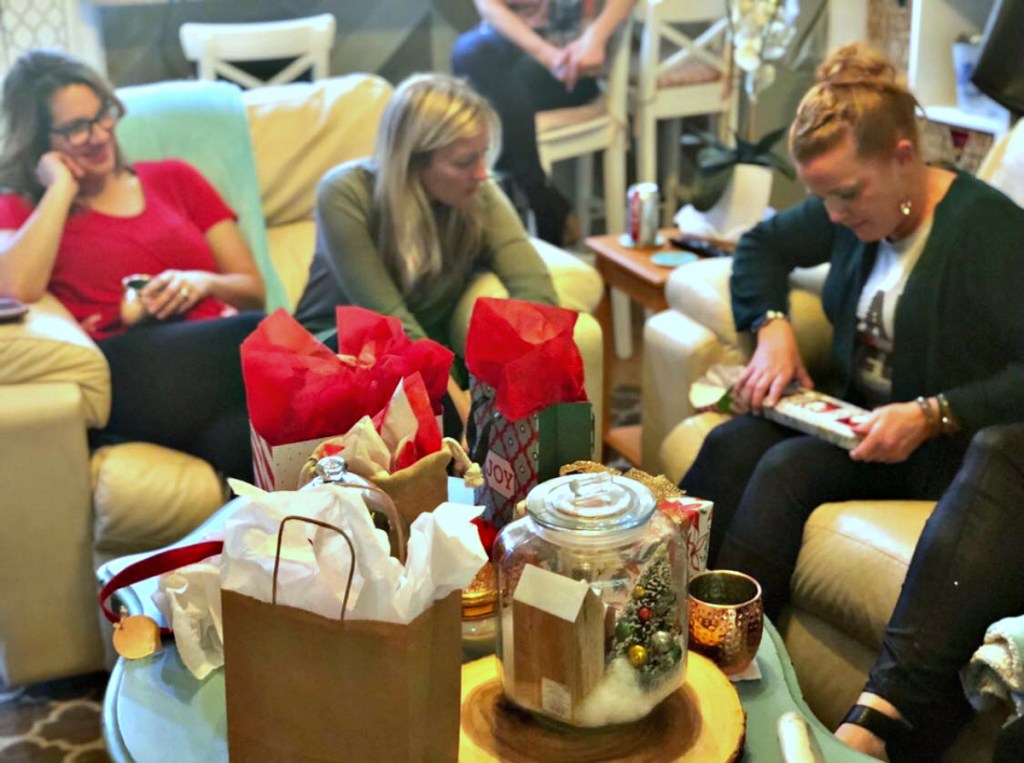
(301, 687)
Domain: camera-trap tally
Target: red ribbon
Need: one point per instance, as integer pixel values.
(157, 564)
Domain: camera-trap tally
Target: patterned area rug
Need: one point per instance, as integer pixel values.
(60, 721)
(54, 722)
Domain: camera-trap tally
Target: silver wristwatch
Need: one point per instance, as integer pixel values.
(766, 318)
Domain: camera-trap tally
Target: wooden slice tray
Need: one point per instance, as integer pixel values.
(703, 722)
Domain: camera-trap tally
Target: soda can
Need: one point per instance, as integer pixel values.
(642, 214)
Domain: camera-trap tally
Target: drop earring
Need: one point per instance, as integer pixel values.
(905, 206)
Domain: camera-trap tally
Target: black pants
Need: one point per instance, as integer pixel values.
(180, 385)
(517, 86)
(967, 572)
(766, 479)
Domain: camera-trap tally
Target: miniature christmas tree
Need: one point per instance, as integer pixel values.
(646, 630)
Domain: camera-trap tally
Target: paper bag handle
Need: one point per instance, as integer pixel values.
(327, 526)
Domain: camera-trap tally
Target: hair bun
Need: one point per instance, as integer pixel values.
(858, 64)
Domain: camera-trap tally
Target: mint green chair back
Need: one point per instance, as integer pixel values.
(205, 124)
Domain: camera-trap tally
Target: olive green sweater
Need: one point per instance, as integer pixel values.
(347, 268)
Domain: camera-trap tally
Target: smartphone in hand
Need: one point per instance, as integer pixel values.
(12, 309)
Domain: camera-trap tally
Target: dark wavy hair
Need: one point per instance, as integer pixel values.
(28, 90)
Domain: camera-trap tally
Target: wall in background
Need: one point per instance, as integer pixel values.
(64, 24)
(390, 37)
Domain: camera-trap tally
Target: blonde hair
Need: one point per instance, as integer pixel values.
(426, 112)
(858, 93)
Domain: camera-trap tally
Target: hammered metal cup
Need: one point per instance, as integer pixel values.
(726, 618)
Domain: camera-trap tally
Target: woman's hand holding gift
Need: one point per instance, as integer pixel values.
(775, 363)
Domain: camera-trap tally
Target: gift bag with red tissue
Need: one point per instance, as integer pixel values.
(529, 413)
(299, 393)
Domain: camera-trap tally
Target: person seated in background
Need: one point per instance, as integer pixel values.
(403, 232)
(533, 55)
(966, 573)
(76, 220)
(928, 325)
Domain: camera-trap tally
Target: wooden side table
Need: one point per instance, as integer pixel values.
(630, 270)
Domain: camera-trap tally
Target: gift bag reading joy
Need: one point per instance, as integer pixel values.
(299, 392)
(529, 413)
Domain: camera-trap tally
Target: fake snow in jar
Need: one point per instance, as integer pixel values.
(591, 602)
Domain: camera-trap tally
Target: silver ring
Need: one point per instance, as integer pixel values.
(183, 292)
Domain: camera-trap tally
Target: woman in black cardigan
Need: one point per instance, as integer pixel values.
(923, 296)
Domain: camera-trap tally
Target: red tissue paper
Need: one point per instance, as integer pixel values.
(297, 389)
(526, 352)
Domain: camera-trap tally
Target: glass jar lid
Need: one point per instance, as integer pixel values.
(591, 503)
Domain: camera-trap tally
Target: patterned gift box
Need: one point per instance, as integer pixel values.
(693, 514)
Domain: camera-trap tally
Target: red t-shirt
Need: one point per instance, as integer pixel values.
(98, 250)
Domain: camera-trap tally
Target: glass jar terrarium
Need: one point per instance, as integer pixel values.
(591, 602)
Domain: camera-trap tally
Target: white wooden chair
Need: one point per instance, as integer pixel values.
(579, 132)
(680, 73)
(216, 48)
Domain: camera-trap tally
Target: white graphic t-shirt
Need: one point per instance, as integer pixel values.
(876, 313)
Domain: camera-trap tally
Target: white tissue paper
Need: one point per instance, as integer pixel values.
(692, 222)
(189, 600)
(364, 450)
(444, 553)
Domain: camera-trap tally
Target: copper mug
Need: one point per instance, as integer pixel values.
(726, 617)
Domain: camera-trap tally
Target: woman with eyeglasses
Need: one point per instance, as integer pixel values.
(402, 232)
(77, 220)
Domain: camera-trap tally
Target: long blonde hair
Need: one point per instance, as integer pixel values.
(426, 112)
(858, 93)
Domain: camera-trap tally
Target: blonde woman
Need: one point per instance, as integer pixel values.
(923, 296)
(401, 233)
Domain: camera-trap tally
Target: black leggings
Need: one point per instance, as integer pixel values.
(180, 385)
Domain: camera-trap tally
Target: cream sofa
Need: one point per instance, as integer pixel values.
(67, 510)
(855, 554)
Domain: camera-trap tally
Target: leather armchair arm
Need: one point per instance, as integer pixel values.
(697, 331)
(49, 346)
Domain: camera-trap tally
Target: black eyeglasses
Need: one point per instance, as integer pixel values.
(79, 132)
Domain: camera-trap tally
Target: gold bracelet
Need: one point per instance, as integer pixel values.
(932, 417)
(947, 420)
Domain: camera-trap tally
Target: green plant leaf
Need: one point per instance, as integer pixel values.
(716, 160)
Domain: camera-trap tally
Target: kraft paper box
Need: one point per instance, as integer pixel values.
(518, 455)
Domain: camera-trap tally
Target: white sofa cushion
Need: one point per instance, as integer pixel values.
(301, 130)
(180, 490)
